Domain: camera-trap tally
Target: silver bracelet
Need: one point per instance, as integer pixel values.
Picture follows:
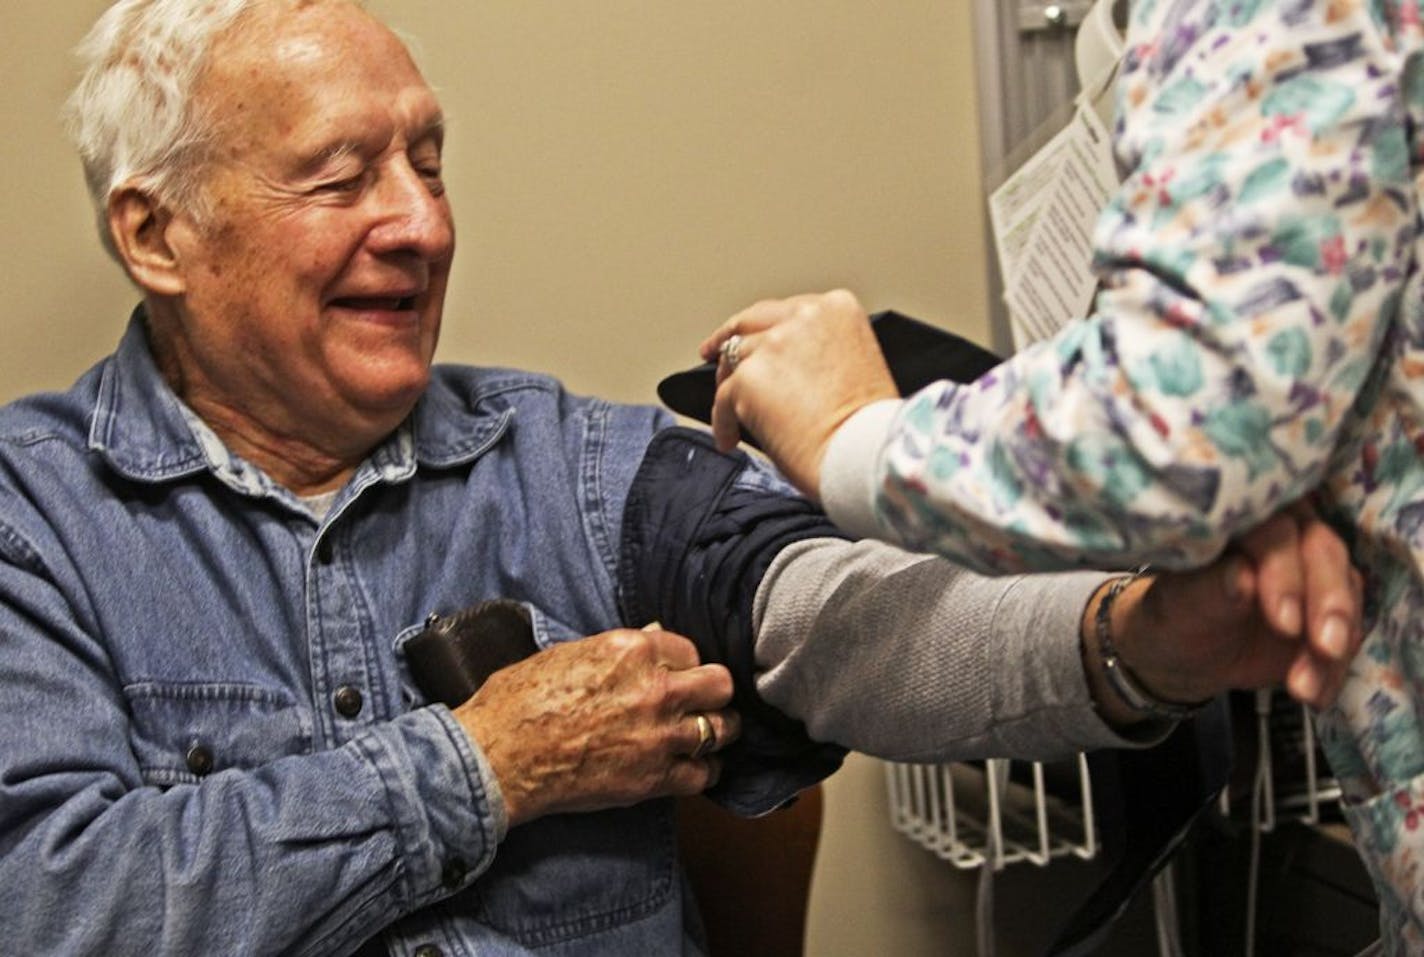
(1120, 678)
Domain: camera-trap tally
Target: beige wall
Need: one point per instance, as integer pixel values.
(625, 173)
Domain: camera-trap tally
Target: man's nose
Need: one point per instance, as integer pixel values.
(414, 215)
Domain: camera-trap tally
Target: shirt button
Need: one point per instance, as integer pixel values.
(200, 760)
(348, 701)
(454, 873)
(428, 950)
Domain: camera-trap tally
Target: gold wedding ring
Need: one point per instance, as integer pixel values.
(706, 736)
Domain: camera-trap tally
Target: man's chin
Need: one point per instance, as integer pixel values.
(389, 391)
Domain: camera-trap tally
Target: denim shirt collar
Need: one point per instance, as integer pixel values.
(148, 434)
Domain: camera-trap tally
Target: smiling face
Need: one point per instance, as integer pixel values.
(306, 303)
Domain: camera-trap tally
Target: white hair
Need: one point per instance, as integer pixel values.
(132, 116)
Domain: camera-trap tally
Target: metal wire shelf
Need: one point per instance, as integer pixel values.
(982, 813)
(1001, 812)
(989, 814)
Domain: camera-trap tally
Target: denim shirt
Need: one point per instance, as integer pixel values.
(209, 742)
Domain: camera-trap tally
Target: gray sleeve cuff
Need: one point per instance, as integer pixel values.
(850, 471)
(1037, 625)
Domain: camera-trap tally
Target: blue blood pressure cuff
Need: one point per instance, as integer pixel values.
(700, 530)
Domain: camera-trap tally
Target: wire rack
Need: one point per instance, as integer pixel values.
(989, 814)
(1290, 779)
(1001, 812)
(994, 812)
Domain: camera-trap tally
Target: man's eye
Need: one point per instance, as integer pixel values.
(431, 175)
(349, 185)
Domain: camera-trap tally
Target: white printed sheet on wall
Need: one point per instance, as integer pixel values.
(1043, 218)
(1044, 214)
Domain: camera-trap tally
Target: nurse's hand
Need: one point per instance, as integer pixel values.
(1284, 607)
(789, 372)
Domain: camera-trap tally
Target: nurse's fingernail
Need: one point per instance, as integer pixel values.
(1304, 684)
(1335, 637)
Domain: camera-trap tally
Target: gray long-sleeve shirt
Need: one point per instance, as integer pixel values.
(913, 658)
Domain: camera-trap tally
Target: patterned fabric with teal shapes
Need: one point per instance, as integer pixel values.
(1259, 333)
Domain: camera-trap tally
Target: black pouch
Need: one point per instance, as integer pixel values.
(454, 654)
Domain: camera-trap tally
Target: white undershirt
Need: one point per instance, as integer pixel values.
(320, 504)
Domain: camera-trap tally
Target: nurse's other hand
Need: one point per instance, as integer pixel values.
(802, 366)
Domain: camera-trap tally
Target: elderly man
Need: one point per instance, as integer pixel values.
(216, 547)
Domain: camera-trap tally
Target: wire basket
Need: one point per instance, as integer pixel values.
(1001, 812)
(994, 812)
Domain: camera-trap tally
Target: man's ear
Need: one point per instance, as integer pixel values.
(140, 226)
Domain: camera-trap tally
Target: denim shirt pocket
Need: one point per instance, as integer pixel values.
(183, 732)
(568, 876)
(547, 633)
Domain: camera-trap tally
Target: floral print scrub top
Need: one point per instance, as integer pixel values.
(1260, 331)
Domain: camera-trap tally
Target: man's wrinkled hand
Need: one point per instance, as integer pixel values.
(607, 721)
